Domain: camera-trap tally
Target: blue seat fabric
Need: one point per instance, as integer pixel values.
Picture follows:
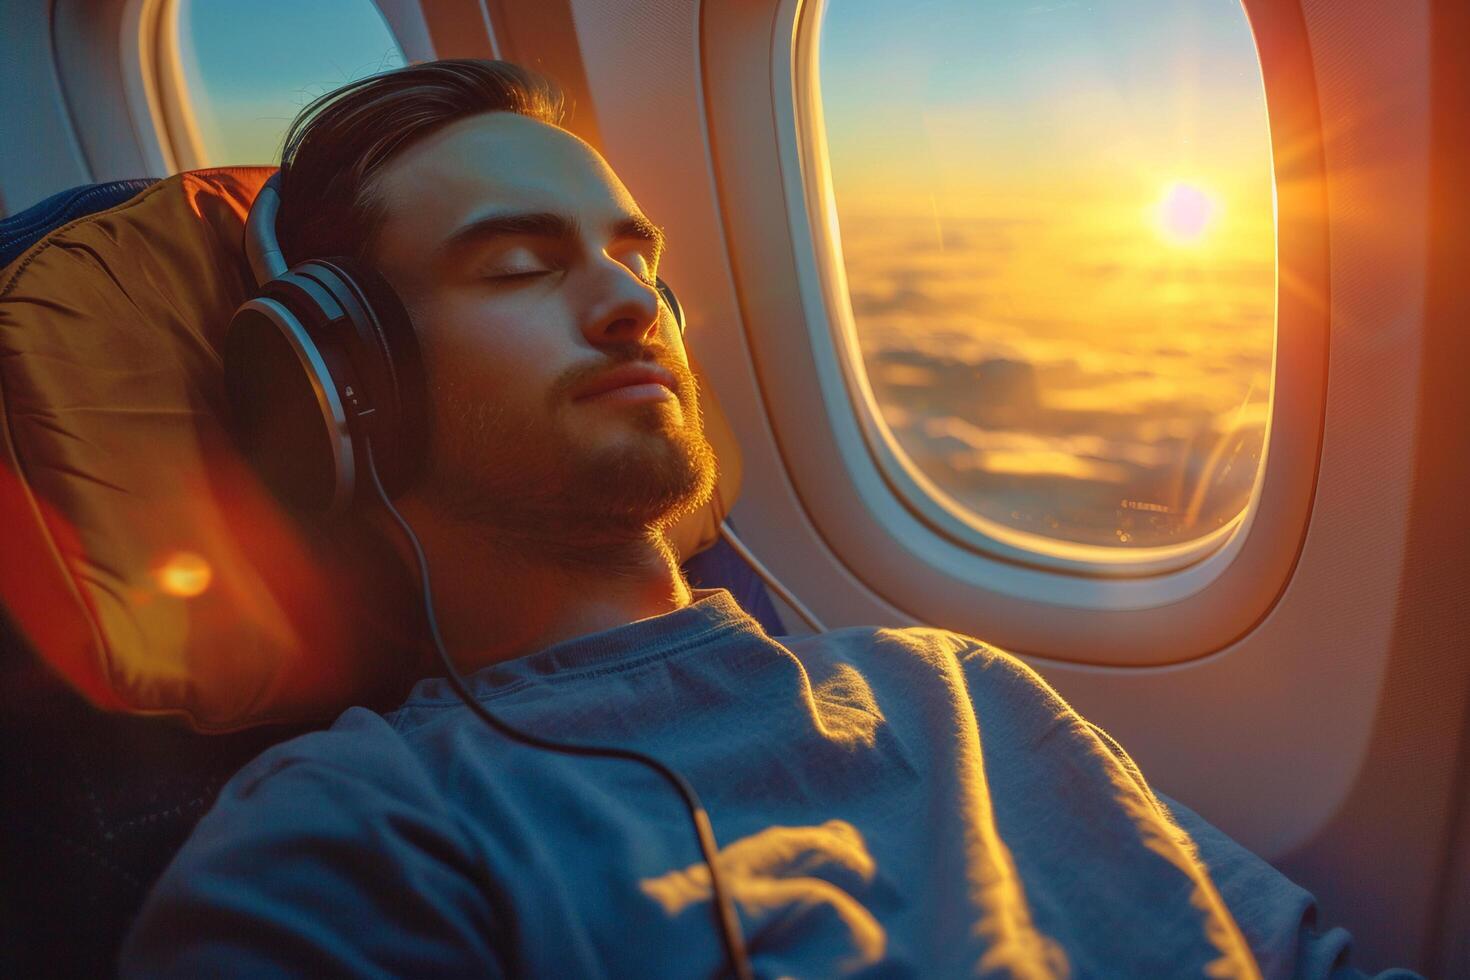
(96, 804)
(719, 567)
(22, 230)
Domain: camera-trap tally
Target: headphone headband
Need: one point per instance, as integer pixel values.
(262, 249)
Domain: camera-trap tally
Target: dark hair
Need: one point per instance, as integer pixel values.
(340, 141)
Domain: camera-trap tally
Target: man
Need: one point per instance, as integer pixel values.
(888, 802)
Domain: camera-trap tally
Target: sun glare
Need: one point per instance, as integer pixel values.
(1185, 213)
(184, 574)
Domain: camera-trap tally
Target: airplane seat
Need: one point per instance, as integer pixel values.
(145, 571)
(96, 804)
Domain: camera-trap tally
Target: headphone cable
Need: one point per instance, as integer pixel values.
(727, 921)
(767, 576)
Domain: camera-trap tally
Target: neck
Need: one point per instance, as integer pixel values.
(498, 596)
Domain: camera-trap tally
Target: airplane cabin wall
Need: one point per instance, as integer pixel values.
(41, 154)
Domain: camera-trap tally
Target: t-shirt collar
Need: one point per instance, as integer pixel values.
(712, 612)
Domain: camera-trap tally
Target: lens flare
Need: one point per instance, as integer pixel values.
(184, 574)
(1185, 212)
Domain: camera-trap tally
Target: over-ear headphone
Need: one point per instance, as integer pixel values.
(321, 359)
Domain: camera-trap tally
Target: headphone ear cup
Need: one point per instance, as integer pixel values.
(285, 410)
(379, 341)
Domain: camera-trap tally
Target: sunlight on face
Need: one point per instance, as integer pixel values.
(1184, 213)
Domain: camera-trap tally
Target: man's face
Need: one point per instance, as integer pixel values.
(528, 270)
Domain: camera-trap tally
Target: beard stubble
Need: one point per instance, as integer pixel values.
(534, 485)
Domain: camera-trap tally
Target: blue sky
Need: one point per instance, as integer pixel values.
(1059, 88)
(254, 65)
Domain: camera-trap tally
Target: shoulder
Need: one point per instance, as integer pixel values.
(356, 787)
(927, 664)
(360, 749)
(330, 853)
(928, 650)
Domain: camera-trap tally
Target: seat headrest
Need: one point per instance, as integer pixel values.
(142, 560)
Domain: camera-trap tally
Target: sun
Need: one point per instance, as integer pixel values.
(1185, 213)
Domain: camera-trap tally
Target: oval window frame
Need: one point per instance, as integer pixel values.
(1185, 607)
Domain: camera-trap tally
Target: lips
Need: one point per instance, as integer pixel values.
(627, 375)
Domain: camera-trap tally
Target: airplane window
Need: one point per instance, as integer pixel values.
(1058, 231)
(250, 67)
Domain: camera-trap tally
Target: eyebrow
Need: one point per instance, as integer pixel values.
(547, 224)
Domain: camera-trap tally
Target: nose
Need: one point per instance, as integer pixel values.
(624, 308)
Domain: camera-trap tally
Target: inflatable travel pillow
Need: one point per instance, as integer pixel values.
(140, 557)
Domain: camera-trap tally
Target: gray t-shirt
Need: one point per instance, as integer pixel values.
(888, 802)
